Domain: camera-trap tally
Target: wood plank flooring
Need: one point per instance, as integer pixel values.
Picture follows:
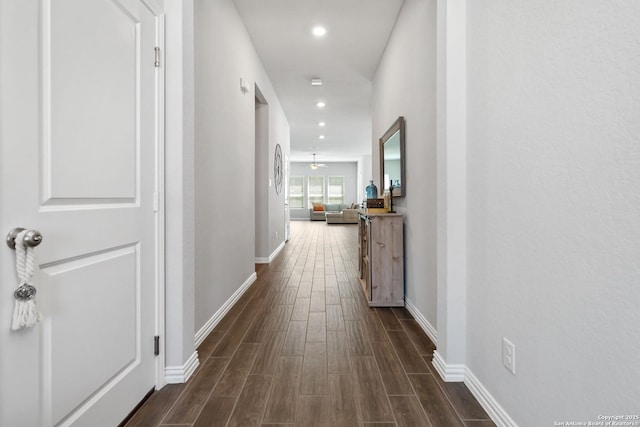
(302, 348)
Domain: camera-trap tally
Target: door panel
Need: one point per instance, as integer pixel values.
(110, 284)
(80, 95)
(88, 134)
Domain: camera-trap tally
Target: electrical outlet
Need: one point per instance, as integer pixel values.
(509, 355)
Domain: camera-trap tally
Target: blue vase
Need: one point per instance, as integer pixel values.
(372, 190)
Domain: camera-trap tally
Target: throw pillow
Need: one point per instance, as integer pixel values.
(318, 207)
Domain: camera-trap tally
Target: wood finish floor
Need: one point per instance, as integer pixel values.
(303, 348)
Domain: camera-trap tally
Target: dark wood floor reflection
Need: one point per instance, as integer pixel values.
(302, 348)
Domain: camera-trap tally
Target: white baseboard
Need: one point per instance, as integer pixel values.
(267, 260)
(180, 374)
(422, 321)
(487, 401)
(459, 373)
(448, 372)
(218, 315)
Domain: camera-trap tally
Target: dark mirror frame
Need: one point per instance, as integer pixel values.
(398, 125)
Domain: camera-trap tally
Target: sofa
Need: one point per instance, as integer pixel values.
(334, 213)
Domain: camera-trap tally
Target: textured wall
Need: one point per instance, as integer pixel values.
(405, 85)
(554, 206)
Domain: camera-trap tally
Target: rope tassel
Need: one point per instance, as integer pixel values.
(25, 313)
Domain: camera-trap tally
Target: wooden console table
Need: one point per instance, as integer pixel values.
(381, 258)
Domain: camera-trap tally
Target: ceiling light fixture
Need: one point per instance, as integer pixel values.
(316, 82)
(321, 104)
(321, 137)
(319, 31)
(321, 124)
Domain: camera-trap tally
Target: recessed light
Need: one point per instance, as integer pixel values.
(320, 104)
(319, 31)
(316, 82)
(321, 124)
(321, 137)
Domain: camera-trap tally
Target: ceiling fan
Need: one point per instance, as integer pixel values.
(315, 165)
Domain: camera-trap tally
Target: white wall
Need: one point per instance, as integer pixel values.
(225, 156)
(364, 175)
(554, 206)
(179, 186)
(279, 133)
(261, 176)
(405, 85)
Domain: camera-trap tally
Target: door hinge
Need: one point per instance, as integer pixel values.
(156, 345)
(157, 56)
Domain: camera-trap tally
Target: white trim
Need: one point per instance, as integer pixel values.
(265, 260)
(451, 173)
(160, 194)
(448, 372)
(487, 401)
(179, 182)
(458, 373)
(218, 315)
(427, 327)
(180, 374)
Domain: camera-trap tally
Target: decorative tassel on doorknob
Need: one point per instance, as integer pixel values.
(25, 313)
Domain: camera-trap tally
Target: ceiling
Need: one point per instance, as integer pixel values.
(345, 59)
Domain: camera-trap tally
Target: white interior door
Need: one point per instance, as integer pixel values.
(79, 126)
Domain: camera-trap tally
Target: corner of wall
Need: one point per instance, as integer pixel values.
(180, 374)
(426, 326)
(203, 332)
(461, 373)
(267, 260)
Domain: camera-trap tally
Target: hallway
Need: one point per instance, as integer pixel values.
(302, 348)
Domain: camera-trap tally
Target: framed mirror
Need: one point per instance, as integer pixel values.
(392, 167)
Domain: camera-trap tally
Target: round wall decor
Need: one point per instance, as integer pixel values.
(278, 170)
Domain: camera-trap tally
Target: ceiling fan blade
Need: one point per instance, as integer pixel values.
(314, 165)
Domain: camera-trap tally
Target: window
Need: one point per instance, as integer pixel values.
(335, 190)
(315, 190)
(296, 192)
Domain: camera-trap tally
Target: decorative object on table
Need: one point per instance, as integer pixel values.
(375, 203)
(278, 171)
(372, 190)
(391, 186)
(386, 196)
(371, 211)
